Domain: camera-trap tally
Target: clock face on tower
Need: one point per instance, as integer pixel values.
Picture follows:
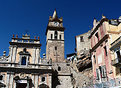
(56, 24)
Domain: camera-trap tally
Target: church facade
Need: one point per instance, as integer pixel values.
(24, 68)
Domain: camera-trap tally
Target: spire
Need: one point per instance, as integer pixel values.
(55, 14)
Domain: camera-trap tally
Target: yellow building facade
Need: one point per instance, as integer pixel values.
(115, 47)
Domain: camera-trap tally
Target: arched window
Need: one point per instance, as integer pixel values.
(56, 34)
(24, 57)
(23, 61)
(59, 68)
(60, 37)
(51, 36)
(43, 79)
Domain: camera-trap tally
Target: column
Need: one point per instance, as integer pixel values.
(27, 83)
(11, 80)
(11, 53)
(14, 84)
(37, 56)
(7, 80)
(33, 80)
(27, 60)
(14, 54)
(49, 77)
(36, 81)
(34, 56)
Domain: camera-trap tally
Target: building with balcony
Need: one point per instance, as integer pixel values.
(101, 38)
(116, 60)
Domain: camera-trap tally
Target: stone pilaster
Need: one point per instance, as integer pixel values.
(34, 56)
(11, 53)
(14, 54)
(14, 84)
(36, 81)
(50, 81)
(11, 80)
(33, 81)
(7, 80)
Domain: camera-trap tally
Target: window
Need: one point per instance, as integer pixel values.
(97, 74)
(97, 36)
(1, 77)
(43, 79)
(23, 61)
(55, 47)
(94, 59)
(118, 54)
(81, 39)
(24, 57)
(51, 36)
(60, 37)
(105, 50)
(100, 70)
(103, 70)
(56, 34)
(59, 68)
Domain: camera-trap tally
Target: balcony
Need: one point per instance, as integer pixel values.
(116, 62)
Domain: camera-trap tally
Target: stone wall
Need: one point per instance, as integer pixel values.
(56, 55)
(83, 79)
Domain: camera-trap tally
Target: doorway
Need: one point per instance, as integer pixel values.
(21, 85)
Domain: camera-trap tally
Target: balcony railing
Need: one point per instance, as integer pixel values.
(116, 62)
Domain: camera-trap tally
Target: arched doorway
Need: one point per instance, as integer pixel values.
(24, 82)
(43, 86)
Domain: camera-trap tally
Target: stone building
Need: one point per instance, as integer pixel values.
(81, 64)
(101, 38)
(55, 52)
(55, 39)
(82, 44)
(22, 68)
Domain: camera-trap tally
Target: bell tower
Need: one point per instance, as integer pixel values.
(55, 39)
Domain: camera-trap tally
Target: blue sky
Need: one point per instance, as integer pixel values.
(17, 16)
